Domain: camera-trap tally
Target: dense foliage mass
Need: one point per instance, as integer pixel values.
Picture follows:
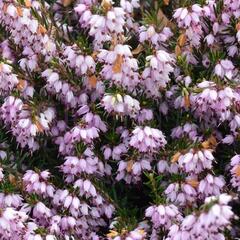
(119, 120)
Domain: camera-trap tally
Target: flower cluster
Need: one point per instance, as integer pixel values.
(205, 225)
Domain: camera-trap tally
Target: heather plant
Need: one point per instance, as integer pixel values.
(119, 120)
